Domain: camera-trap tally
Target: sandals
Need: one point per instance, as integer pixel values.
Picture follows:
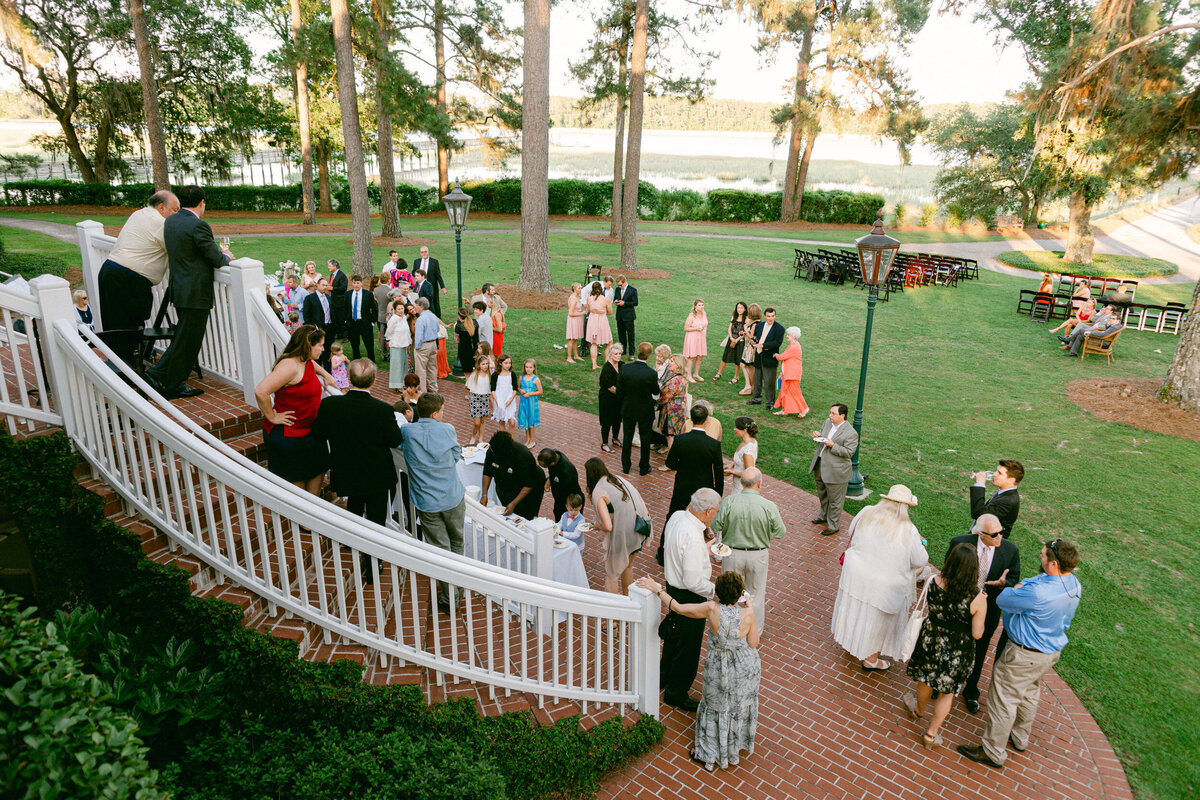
(910, 703)
(606, 448)
(780, 413)
(745, 391)
(880, 666)
(931, 744)
(708, 765)
(733, 382)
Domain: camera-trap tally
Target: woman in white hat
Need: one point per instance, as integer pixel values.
(878, 580)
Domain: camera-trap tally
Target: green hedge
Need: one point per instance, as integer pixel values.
(567, 196)
(265, 693)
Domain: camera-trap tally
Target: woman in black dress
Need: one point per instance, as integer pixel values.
(735, 339)
(945, 653)
(467, 336)
(610, 401)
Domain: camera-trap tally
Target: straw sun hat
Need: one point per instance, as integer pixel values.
(901, 494)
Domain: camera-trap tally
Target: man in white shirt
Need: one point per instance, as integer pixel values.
(137, 262)
(688, 573)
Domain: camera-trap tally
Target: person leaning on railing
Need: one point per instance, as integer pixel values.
(137, 262)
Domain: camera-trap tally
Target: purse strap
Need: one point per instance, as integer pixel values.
(921, 598)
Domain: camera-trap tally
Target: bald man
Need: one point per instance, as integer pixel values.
(748, 522)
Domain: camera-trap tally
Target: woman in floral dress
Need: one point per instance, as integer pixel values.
(674, 400)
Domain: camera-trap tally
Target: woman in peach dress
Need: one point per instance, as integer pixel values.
(574, 324)
(599, 331)
(695, 341)
(791, 400)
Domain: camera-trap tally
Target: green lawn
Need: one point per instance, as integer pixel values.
(1103, 265)
(32, 253)
(957, 380)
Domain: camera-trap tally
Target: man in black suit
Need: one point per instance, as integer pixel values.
(361, 432)
(768, 337)
(338, 286)
(625, 300)
(361, 311)
(696, 458)
(1006, 502)
(999, 567)
(433, 273)
(318, 310)
(637, 384)
(424, 288)
(192, 257)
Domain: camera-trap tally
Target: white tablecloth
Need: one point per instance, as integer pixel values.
(470, 472)
(567, 565)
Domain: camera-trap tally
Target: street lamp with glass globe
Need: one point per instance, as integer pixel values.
(876, 255)
(458, 205)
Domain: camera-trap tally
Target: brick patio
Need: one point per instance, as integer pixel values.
(826, 730)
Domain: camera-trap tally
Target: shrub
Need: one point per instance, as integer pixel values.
(928, 214)
(900, 215)
(680, 204)
(62, 738)
(30, 265)
(736, 205)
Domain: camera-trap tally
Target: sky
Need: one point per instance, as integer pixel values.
(952, 59)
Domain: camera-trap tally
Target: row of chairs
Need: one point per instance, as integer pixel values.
(1099, 286)
(1167, 318)
(910, 269)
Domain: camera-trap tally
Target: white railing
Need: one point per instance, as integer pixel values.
(510, 631)
(25, 399)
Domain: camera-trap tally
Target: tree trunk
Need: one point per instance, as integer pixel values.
(633, 155)
(439, 55)
(1183, 378)
(1079, 231)
(322, 149)
(793, 188)
(356, 171)
(389, 206)
(810, 142)
(614, 228)
(304, 124)
(154, 129)
(86, 171)
(535, 150)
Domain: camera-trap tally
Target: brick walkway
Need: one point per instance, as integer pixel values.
(826, 729)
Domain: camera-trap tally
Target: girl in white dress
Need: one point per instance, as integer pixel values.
(505, 399)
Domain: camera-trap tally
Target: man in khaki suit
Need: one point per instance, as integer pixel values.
(837, 440)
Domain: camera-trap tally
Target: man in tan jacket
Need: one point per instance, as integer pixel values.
(836, 442)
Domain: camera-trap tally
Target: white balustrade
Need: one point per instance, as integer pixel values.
(25, 396)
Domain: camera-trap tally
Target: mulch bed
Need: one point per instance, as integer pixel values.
(1134, 402)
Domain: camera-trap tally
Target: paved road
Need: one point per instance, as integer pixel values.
(1162, 234)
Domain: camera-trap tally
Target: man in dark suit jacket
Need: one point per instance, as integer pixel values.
(192, 257)
(625, 300)
(318, 310)
(361, 432)
(696, 458)
(433, 273)
(361, 311)
(637, 384)
(1006, 502)
(424, 288)
(768, 338)
(339, 284)
(1000, 560)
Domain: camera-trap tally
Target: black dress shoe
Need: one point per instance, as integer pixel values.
(817, 521)
(754, 402)
(972, 705)
(154, 384)
(1063, 339)
(976, 754)
(684, 703)
(644, 471)
(183, 390)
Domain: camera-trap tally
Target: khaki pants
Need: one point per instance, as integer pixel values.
(1013, 699)
(426, 366)
(833, 499)
(444, 529)
(752, 564)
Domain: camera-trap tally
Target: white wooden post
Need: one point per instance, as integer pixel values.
(53, 297)
(643, 652)
(542, 531)
(247, 280)
(88, 231)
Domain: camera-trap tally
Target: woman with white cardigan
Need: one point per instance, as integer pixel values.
(878, 583)
(399, 339)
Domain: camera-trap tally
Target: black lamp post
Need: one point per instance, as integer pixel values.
(876, 255)
(458, 205)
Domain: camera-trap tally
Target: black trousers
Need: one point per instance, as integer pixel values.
(125, 300)
(326, 359)
(180, 357)
(644, 427)
(682, 637)
(764, 377)
(626, 336)
(990, 622)
(610, 416)
(373, 506)
(360, 332)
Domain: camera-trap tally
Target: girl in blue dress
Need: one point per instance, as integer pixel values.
(529, 416)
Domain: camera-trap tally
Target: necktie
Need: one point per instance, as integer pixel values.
(985, 565)
(325, 306)
(356, 306)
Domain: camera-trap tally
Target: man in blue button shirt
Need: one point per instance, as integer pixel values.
(431, 450)
(425, 347)
(1037, 615)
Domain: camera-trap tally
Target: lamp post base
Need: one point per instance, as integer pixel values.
(861, 493)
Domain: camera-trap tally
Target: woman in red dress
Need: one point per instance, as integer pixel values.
(296, 383)
(791, 400)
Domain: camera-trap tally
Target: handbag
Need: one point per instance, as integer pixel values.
(912, 631)
(641, 526)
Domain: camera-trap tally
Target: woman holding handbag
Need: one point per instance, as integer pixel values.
(945, 651)
(620, 513)
(877, 585)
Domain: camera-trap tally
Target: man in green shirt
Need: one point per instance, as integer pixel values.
(748, 522)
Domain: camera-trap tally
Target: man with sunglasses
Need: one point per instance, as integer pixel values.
(999, 568)
(1037, 615)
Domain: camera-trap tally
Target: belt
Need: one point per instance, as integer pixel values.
(1030, 649)
(747, 549)
(126, 269)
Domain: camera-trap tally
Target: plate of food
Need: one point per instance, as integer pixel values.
(560, 542)
(818, 439)
(584, 527)
(720, 549)
(469, 451)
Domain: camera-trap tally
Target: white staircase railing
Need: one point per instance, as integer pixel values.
(510, 631)
(25, 400)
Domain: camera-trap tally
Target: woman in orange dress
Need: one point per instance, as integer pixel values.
(498, 326)
(791, 400)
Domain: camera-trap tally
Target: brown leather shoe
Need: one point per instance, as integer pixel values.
(829, 532)
(975, 753)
